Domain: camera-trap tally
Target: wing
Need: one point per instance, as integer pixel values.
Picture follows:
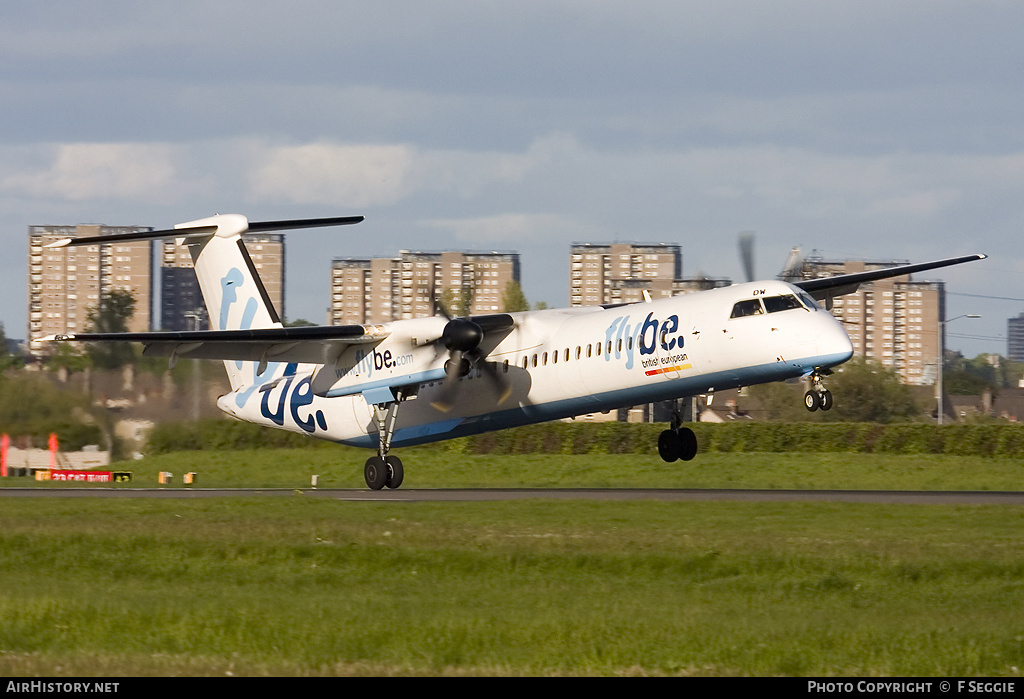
(829, 287)
(302, 345)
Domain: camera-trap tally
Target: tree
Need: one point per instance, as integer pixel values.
(7, 360)
(779, 401)
(514, 299)
(465, 306)
(866, 391)
(111, 315)
(68, 357)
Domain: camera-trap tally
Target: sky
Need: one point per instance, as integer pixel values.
(862, 130)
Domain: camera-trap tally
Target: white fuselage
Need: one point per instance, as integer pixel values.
(558, 363)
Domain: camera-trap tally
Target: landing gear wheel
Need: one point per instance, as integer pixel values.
(812, 400)
(678, 444)
(826, 400)
(375, 472)
(396, 474)
(688, 444)
(669, 446)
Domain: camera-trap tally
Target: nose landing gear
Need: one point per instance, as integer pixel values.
(819, 397)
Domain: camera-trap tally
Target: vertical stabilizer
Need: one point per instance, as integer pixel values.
(234, 294)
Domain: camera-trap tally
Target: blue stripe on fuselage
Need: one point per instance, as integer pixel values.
(598, 402)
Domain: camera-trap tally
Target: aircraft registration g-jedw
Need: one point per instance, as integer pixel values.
(428, 379)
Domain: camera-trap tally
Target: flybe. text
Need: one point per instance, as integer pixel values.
(294, 399)
(648, 337)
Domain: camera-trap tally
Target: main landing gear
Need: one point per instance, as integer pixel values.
(678, 442)
(384, 470)
(819, 397)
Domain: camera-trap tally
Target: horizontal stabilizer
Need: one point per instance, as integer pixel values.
(186, 230)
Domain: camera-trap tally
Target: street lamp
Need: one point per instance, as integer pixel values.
(938, 375)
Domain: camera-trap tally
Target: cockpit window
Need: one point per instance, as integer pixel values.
(809, 301)
(774, 304)
(750, 307)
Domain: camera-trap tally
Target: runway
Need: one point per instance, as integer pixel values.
(905, 497)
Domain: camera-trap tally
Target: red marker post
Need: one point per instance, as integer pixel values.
(53, 450)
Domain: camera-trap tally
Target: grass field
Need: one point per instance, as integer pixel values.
(303, 585)
(342, 467)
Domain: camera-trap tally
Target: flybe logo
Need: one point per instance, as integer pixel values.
(652, 336)
(293, 398)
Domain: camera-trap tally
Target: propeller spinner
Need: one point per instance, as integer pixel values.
(462, 338)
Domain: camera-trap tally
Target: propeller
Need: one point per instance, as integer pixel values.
(747, 253)
(792, 270)
(462, 338)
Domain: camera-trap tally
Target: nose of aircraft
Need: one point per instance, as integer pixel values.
(833, 342)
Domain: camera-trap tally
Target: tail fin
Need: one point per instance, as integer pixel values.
(235, 297)
(234, 294)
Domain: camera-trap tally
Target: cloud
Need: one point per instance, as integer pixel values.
(361, 175)
(512, 230)
(84, 171)
(330, 173)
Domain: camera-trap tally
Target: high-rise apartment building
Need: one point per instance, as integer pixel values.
(65, 284)
(622, 272)
(893, 321)
(384, 289)
(1015, 338)
(181, 303)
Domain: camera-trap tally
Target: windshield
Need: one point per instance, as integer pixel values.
(750, 307)
(774, 304)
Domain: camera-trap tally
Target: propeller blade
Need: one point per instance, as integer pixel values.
(747, 253)
(453, 369)
(441, 309)
(499, 379)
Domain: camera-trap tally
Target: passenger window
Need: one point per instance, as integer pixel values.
(750, 307)
(554, 357)
(774, 304)
(526, 361)
(566, 357)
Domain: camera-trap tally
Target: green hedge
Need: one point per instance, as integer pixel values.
(216, 434)
(623, 438)
(630, 438)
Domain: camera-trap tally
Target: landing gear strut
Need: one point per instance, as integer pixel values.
(384, 470)
(819, 397)
(678, 442)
